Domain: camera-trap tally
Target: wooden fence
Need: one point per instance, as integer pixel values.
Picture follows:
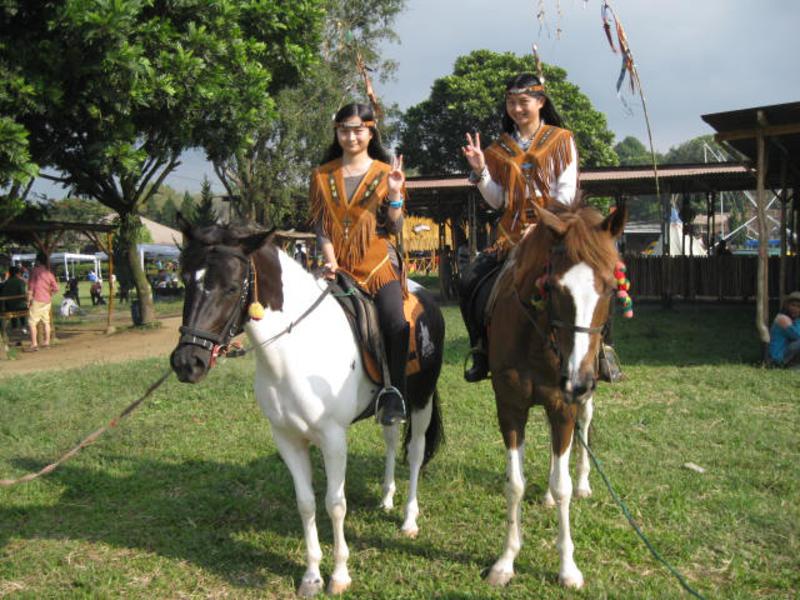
(700, 278)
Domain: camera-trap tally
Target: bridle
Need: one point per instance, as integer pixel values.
(533, 307)
(218, 342)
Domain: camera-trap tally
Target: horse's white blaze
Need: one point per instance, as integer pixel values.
(199, 275)
(579, 280)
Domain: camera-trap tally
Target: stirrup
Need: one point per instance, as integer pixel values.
(610, 369)
(379, 413)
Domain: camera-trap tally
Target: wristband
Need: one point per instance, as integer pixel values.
(396, 203)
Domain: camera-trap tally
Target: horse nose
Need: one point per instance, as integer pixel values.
(578, 390)
(188, 363)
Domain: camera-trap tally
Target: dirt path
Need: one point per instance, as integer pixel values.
(80, 348)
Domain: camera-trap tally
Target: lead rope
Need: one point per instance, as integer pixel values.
(92, 437)
(631, 520)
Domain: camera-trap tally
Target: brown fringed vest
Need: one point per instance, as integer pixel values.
(518, 172)
(351, 224)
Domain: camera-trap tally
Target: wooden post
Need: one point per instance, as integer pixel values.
(110, 254)
(782, 259)
(762, 290)
(666, 270)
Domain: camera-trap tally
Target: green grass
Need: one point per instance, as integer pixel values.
(189, 499)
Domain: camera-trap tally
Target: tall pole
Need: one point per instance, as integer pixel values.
(762, 290)
(110, 254)
(784, 201)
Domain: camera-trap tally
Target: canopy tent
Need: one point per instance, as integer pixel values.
(150, 251)
(68, 259)
(692, 246)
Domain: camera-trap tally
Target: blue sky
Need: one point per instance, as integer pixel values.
(694, 57)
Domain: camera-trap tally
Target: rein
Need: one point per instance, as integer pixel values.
(219, 344)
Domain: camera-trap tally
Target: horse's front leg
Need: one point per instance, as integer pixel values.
(295, 454)
(585, 412)
(334, 452)
(562, 424)
(390, 434)
(420, 420)
(512, 424)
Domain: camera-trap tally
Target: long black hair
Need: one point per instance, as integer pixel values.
(364, 112)
(548, 111)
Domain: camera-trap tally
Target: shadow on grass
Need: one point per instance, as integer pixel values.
(205, 512)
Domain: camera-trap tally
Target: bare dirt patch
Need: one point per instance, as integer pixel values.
(78, 348)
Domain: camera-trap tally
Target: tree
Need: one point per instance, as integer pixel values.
(268, 178)
(188, 207)
(696, 150)
(169, 213)
(471, 99)
(76, 210)
(631, 151)
(121, 87)
(205, 213)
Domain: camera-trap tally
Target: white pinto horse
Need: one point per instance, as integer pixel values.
(309, 381)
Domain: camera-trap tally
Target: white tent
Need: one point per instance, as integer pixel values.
(69, 259)
(694, 245)
(150, 251)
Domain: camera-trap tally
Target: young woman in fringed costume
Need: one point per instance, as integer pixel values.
(356, 201)
(534, 160)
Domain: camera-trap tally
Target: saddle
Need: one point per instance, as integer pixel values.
(363, 317)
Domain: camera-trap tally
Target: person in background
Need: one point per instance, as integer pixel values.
(41, 287)
(784, 335)
(14, 286)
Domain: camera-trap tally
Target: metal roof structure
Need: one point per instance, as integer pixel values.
(427, 195)
(779, 123)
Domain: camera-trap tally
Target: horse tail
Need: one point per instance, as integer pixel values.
(434, 434)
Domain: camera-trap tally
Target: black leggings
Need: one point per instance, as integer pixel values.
(389, 301)
(483, 271)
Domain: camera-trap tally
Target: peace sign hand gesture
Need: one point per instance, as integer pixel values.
(473, 153)
(396, 178)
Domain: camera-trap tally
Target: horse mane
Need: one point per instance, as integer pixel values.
(583, 241)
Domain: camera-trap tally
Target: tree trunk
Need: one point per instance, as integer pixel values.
(128, 232)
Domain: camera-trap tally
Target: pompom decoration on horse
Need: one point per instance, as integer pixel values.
(623, 290)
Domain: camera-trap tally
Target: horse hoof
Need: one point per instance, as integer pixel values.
(310, 588)
(583, 492)
(548, 500)
(498, 578)
(571, 579)
(387, 505)
(338, 587)
(410, 532)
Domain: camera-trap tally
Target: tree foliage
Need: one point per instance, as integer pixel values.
(472, 99)
(631, 151)
(268, 179)
(119, 88)
(205, 213)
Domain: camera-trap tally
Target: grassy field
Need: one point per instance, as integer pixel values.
(189, 499)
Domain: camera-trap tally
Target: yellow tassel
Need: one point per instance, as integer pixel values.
(255, 311)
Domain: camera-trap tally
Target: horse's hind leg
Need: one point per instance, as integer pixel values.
(390, 434)
(420, 419)
(583, 489)
(334, 452)
(561, 428)
(295, 454)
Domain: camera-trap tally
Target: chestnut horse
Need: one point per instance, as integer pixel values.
(546, 317)
(309, 380)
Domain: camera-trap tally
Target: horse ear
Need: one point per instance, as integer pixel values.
(614, 223)
(251, 243)
(549, 220)
(184, 225)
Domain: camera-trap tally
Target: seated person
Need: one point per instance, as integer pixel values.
(14, 287)
(72, 290)
(784, 335)
(96, 292)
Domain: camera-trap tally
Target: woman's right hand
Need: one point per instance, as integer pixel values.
(329, 271)
(473, 153)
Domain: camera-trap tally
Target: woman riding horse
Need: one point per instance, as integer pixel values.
(534, 161)
(356, 201)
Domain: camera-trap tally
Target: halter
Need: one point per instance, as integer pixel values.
(213, 342)
(542, 303)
